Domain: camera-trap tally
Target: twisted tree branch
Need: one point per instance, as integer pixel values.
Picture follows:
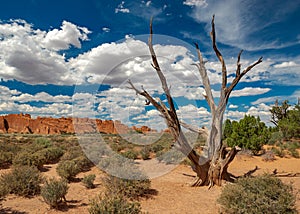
(205, 80)
(218, 53)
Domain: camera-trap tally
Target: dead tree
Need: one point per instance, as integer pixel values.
(211, 169)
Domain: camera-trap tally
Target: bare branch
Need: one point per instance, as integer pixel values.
(251, 66)
(148, 97)
(218, 53)
(238, 78)
(203, 131)
(159, 72)
(205, 79)
(238, 64)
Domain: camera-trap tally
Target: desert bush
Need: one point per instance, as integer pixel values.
(9, 147)
(7, 152)
(113, 204)
(262, 194)
(83, 163)
(42, 142)
(170, 157)
(294, 152)
(72, 153)
(132, 189)
(22, 181)
(293, 145)
(117, 147)
(88, 181)
(95, 150)
(38, 144)
(51, 154)
(292, 148)
(120, 168)
(268, 156)
(276, 137)
(131, 154)
(68, 169)
(54, 191)
(246, 152)
(278, 151)
(3, 192)
(5, 158)
(157, 147)
(29, 159)
(145, 153)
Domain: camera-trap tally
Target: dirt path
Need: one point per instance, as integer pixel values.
(173, 192)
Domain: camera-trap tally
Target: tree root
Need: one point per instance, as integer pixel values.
(197, 182)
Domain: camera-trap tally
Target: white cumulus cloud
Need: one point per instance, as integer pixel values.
(69, 34)
(285, 64)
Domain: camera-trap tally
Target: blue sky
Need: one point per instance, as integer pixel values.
(73, 58)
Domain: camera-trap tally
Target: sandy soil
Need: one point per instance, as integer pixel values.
(173, 192)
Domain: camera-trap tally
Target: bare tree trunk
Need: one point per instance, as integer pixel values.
(211, 168)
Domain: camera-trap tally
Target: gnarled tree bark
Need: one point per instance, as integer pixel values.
(210, 168)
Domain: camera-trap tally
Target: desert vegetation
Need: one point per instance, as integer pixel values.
(54, 192)
(25, 160)
(262, 194)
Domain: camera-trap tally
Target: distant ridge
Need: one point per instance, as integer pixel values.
(24, 124)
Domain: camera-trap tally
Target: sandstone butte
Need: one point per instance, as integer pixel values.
(24, 124)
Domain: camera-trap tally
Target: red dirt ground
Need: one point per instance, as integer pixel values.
(174, 195)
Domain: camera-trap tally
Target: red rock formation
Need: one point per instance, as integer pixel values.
(167, 130)
(3, 125)
(143, 129)
(23, 123)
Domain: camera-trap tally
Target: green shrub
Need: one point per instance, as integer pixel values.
(7, 151)
(279, 151)
(51, 155)
(22, 181)
(42, 142)
(268, 156)
(113, 204)
(117, 147)
(121, 167)
(54, 191)
(157, 147)
(145, 153)
(68, 169)
(88, 181)
(248, 133)
(170, 157)
(9, 147)
(289, 125)
(3, 192)
(30, 159)
(294, 152)
(73, 153)
(38, 144)
(5, 158)
(83, 163)
(132, 189)
(262, 194)
(131, 154)
(293, 147)
(276, 137)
